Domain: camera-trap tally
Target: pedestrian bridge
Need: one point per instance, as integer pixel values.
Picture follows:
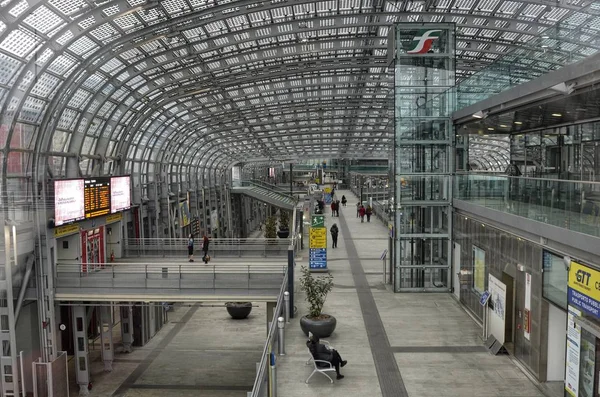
(169, 281)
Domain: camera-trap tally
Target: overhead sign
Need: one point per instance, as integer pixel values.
(423, 40)
(584, 289)
(66, 230)
(114, 217)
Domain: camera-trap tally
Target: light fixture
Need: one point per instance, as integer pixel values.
(480, 114)
(518, 122)
(556, 114)
(545, 37)
(503, 126)
(490, 128)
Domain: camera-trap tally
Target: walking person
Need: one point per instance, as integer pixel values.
(205, 244)
(344, 201)
(369, 212)
(333, 208)
(361, 212)
(334, 235)
(191, 248)
(337, 208)
(357, 209)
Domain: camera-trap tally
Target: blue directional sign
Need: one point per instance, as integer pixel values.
(484, 298)
(317, 258)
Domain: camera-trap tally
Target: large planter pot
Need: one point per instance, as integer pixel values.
(285, 233)
(322, 327)
(238, 310)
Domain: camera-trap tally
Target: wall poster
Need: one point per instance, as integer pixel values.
(497, 306)
(573, 347)
(478, 269)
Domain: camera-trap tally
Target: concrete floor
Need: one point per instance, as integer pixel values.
(434, 346)
(200, 352)
(435, 343)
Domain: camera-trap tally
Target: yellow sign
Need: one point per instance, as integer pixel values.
(327, 190)
(479, 269)
(66, 230)
(318, 237)
(584, 280)
(114, 218)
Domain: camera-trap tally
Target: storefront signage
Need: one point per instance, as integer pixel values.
(114, 218)
(572, 354)
(65, 230)
(584, 289)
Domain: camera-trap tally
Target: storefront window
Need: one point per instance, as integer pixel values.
(555, 279)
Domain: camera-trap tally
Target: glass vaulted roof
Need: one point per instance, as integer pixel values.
(197, 83)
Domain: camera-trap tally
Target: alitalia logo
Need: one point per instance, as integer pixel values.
(423, 40)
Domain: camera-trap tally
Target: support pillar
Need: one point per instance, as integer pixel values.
(82, 359)
(127, 328)
(9, 370)
(106, 339)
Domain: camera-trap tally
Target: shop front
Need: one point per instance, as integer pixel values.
(582, 374)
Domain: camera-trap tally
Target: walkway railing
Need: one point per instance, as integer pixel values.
(264, 373)
(572, 205)
(219, 247)
(196, 276)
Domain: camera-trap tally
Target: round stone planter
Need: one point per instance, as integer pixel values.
(285, 233)
(238, 310)
(322, 327)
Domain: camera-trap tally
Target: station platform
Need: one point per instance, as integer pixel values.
(409, 344)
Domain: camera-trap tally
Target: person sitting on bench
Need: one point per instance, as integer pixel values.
(320, 351)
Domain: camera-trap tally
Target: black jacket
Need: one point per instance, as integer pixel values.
(319, 351)
(334, 230)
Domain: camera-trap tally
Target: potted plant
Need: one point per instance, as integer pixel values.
(284, 224)
(238, 310)
(271, 227)
(316, 290)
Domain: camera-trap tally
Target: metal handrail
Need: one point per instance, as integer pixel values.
(270, 342)
(528, 178)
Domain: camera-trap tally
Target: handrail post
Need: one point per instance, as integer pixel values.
(286, 306)
(179, 276)
(281, 336)
(248, 267)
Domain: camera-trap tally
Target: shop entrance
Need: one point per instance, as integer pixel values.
(92, 249)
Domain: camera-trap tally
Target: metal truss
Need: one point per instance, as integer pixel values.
(189, 84)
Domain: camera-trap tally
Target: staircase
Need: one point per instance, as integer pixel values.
(265, 193)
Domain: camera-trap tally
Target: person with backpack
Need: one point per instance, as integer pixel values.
(369, 212)
(205, 243)
(334, 235)
(191, 248)
(344, 201)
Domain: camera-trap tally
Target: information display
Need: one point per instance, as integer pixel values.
(97, 196)
(68, 201)
(120, 193)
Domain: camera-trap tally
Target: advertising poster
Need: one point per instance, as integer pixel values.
(185, 213)
(69, 204)
(120, 194)
(478, 269)
(214, 222)
(527, 317)
(497, 304)
(572, 355)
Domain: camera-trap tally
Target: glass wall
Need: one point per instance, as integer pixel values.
(555, 279)
(423, 155)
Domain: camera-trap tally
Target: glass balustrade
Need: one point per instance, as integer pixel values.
(572, 205)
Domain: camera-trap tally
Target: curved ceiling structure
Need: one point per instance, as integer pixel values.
(179, 86)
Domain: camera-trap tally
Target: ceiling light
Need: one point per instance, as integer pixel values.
(503, 126)
(491, 128)
(518, 122)
(545, 37)
(480, 114)
(557, 114)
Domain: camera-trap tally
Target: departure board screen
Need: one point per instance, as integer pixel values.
(97, 196)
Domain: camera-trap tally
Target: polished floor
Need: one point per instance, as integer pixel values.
(435, 346)
(416, 345)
